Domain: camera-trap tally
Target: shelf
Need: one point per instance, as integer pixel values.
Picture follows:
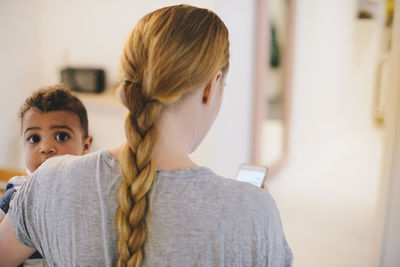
(107, 98)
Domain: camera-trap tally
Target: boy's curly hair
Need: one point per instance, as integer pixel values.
(56, 98)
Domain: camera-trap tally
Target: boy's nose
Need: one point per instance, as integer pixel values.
(47, 149)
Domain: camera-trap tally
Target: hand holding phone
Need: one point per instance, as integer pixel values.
(256, 175)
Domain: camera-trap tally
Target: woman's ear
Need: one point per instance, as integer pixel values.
(87, 144)
(211, 87)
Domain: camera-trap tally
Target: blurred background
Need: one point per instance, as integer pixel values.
(312, 92)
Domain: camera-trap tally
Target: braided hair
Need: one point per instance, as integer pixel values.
(169, 52)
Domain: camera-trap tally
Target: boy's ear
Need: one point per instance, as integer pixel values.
(87, 144)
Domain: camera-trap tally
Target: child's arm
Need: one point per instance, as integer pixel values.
(6, 197)
(5, 202)
(12, 185)
(2, 215)
(12, 251)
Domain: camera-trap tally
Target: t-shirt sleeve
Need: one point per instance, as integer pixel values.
(278, 250)
(11, 187)
(22, 211)
(5, 199)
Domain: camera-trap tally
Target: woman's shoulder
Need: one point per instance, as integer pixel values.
(246, 196)
(233, 197)
(238, 189)
(230, 193)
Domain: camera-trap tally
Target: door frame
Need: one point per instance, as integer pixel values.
(388, 214)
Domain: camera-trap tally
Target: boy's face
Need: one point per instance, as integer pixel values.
(45, 135)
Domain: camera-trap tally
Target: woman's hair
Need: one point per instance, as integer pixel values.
(170, 52)
(56, 98)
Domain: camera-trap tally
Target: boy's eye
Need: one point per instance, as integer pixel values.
(34, 139)
(62, 137)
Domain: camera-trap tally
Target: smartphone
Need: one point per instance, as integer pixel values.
(252, 174)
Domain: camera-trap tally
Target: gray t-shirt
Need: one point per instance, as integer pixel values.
(66, 211)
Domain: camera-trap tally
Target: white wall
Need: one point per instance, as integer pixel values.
(91, 33)
(322, 69)
(20, 70)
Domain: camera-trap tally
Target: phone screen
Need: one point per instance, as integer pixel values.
(254, 177)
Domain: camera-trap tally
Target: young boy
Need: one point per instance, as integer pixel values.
(53, 122)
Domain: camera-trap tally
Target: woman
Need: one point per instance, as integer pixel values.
(147, 203)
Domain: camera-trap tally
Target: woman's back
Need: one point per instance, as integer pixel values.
(197, 218)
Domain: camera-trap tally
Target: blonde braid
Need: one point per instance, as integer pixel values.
(170, 52)
(139, 173)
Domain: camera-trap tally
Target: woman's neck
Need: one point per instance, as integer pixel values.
(171, 152)
(174, 143)
(166, 159)
(180, 130)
